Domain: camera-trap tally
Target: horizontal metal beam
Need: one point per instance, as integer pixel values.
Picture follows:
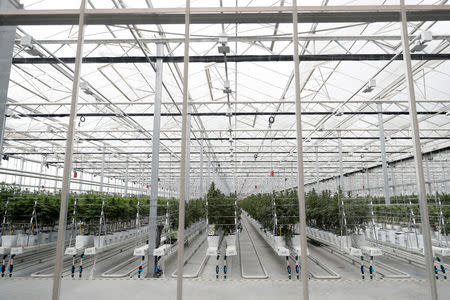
(218, 139)
(224, 114)
(228, 15)
(230, 58)
(197, 153)
(224, 131)
(239, 102)
(243, 39)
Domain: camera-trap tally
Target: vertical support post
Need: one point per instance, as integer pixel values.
(394, 181)
(317, 170)
(21, 166)
(208, 176)
(341, 166)
(55, 183)
(155, 163)
(188, 156)
(444, 180)
(80, 184)
(300, 176)
(125, 192)
(292, 175)
(428, 181)
(7, 38)
(383, 154)
(429, 261)
(41, 171)
(102, 174)
(68, 160)
(184, 129)
(201, 169)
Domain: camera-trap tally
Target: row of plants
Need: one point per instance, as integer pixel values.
(117, 209)
(400, 214)
(222, 210)
(325, 211)
(405, 199)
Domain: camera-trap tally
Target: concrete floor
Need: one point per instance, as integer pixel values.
(199, 289)
(207, 287)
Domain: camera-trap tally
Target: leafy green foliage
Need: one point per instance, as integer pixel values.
(322, 211)
(221, 209)
(117, 209)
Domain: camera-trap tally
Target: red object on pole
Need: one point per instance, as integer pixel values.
(364, 187)
(146, 186)
(75, 174)
(256, 186)
(43, 187)
(272, 173)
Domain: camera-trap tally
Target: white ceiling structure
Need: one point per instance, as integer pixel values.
(117, 107)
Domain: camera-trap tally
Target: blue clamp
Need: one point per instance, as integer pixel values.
(217, 269)
(289, 269)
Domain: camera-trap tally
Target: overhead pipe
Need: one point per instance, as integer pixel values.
(230, 58)
(223, 114)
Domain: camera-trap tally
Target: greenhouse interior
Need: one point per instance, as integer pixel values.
(225, 149)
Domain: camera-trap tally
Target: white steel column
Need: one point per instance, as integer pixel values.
(383, 154)
(155, 163)
(55, 183)
(7, 38)
(102, 172)
(300, 176)
(188, 156)
(184, 128)
(208, 176)
(341, 166)
(80, 181)
(418, 156)
(125, 192)
(20, 179)
(428, 181)
(41, 171)
(317, 170)
(444, 180)
(68, 160)
(201, 169)
(394, 181)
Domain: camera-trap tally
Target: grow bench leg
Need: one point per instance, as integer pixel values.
(371, 270)
(288, 266)
(4, 265)
(11, 265)
(440, 268)
(362, 267)
(225, 268)
(217, 266)
(140, 267)
(80, 269)
(158, 270)
(72, 269)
